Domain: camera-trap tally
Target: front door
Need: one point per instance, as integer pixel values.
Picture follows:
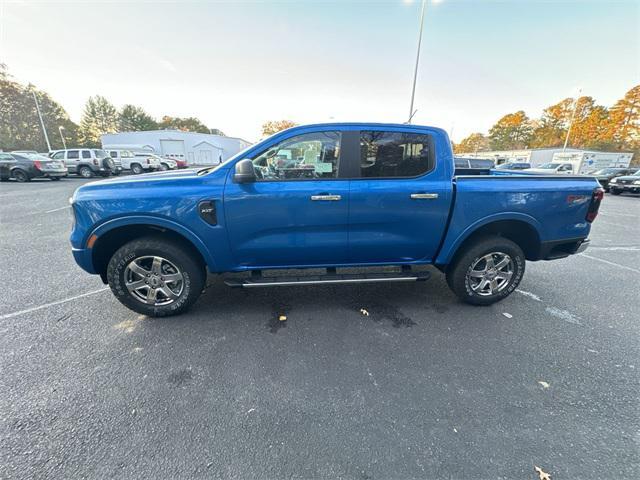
(296, 213)
(399, 205)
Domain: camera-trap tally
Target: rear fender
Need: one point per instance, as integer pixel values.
(451, 245)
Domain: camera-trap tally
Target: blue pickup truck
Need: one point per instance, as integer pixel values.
(328, 196)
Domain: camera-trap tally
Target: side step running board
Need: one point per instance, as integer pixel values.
(279, 281)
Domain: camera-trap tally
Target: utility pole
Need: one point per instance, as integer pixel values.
(415, 71)
(44, 130)
(573, 115)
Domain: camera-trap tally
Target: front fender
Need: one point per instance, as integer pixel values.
(454, 239)
(156, 222)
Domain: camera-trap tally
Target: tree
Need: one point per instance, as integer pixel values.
(135, 119)
(99, 117)
(624, 121)
(189, 124)
(512, 131)
(476, 142)
(20, 127)
(275, 126)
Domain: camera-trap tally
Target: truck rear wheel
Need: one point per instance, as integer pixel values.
(487, 271)
(155, 277)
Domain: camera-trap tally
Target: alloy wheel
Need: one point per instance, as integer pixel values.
(153, 280)
(490, 274)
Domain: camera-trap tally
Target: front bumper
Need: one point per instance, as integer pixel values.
(624, 188)
(84, 258)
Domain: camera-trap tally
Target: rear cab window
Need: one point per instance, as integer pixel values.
(386, 154)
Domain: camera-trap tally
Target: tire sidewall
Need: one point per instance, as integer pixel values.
(117, 267)
(460, 282)
(86, 169)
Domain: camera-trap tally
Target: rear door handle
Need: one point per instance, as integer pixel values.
(424, 196)
(326, 198)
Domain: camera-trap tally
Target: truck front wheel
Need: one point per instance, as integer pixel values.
(155, 277)
(487, 271)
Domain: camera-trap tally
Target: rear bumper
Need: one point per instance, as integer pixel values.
(556, 249)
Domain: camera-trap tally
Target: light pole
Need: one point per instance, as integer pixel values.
(412, 112)
(64, 144)
(573, 115)
(44, 130)
(415, 70)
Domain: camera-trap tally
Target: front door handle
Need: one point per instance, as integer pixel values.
(424, 196)
(326, 198)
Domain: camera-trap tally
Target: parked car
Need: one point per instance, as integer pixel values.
(605, 175)
(165, 163)
(514, 166)
(24, 167)
(482, 163)
(124, 158)
(365, 195)
(142, 162)
(180, 163)
(625, 184)
(87, 162)
(552, 168)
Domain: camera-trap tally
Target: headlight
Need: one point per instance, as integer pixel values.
(613, 180)
(637, 182)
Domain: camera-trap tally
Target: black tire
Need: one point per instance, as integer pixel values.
(458, 274)
(108, 163)
(85, 172)
(55, 179)
(164, 167)
(4, 179)
(21, 176)
(136, 168)
(192, 270)
(615, 192)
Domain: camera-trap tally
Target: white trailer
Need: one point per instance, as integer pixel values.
(584, 161)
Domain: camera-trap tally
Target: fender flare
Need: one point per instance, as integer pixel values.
(447, 253)
(149, 220)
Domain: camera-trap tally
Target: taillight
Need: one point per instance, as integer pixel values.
(95, 161)
(594, 206)
(148, 162)
(37, 164)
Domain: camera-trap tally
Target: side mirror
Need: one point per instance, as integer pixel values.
(245, 172)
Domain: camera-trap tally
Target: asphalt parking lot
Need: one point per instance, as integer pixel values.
(422, 387)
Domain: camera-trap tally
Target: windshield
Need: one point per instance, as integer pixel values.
(549, 166)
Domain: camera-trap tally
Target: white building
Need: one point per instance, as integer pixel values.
(195, 148)
(538, 156)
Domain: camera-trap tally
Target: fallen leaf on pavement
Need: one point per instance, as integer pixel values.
(542, 475)
(364, 312)
(282, 318)
(508, 315)
(544, 384)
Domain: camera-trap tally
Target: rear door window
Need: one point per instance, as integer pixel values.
(73, 154)
(395, 154)
(86, 154)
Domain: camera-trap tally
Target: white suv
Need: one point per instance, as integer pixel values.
(136, 162)
(87, 162)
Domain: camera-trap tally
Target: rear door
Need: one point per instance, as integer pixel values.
(400, 201)
(72, 159)
(296, 213)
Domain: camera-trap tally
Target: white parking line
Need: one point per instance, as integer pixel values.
(613, 264)
(57, 209)
(47, 305)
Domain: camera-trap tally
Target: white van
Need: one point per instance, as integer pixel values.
(131, 161)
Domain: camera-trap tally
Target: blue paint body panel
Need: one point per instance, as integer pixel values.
(275, 225)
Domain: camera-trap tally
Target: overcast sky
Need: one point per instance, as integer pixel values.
(236, 64)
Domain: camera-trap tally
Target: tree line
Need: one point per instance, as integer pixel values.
(593, 127)
(20, 127)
